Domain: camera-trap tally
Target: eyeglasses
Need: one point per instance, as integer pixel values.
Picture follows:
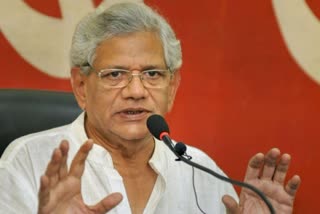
(119, 78)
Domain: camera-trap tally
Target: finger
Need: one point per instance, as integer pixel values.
(63, 171)
(107, 203)
(78, 163)
(231, 205)
(293, 185)
(282, 169)
(44, 192)
(53, 167)
(270, 163)
(254, 166)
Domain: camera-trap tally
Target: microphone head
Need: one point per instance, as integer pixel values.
(157, 125)
(180, 148)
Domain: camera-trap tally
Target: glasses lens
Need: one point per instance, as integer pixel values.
(114, 77)
(118, 78)
(155, 78)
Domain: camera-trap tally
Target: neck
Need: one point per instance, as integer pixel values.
(124, 152)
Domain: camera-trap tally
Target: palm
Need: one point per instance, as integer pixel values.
(267, 174)
(60, 190)
(278, 197)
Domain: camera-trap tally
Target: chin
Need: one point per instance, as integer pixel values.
(134, 132)
(136, 135)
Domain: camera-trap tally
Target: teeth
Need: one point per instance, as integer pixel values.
(133, 112)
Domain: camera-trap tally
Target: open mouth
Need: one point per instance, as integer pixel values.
(131, 112)
(134, 111)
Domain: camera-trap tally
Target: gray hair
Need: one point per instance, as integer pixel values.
(119, 19)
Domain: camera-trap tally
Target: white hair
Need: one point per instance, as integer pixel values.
(122, 18)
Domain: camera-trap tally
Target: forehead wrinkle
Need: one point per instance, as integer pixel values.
(132, 51)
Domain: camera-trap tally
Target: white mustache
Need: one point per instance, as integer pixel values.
(301, 32)
(41, 40)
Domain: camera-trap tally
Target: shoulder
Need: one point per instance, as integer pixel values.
(201, 179)
(42, 143)
(220, 185)
(200, 157)
(37, 145)
(39, 142)
(197, 155)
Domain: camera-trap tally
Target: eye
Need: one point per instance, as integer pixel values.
(153, 74)
(113, 74)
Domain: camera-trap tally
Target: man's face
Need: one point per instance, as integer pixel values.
(122, 112)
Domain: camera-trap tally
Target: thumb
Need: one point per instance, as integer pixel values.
(108, 203)
(231, 205)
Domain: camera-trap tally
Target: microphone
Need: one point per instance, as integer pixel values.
(180, 148)
(160, 130)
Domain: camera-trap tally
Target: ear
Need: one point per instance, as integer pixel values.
(78, 86)
(173, 88)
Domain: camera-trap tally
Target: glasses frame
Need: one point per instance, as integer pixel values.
(132, 75)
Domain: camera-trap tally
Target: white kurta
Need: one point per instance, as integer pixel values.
(26, 158)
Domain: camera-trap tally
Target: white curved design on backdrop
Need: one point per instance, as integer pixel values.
(301, 31)
(41, 40)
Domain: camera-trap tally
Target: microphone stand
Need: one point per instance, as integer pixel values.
(166, 139)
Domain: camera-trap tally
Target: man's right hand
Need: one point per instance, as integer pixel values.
(60, 188)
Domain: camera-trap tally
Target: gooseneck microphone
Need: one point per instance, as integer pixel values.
(160, 130)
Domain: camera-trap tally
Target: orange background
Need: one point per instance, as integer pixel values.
(241, 90)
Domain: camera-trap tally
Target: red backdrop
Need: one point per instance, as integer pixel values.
(242, 91)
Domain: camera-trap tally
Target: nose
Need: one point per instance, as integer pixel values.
(135, 88)
(135, 75)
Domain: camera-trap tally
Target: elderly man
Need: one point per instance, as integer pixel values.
(126, 63)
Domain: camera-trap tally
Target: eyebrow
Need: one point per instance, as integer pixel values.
(146, 67)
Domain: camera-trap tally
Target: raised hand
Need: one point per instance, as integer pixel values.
(267, 173)
(60, 189)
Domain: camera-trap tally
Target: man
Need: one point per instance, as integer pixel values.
(126, 63)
